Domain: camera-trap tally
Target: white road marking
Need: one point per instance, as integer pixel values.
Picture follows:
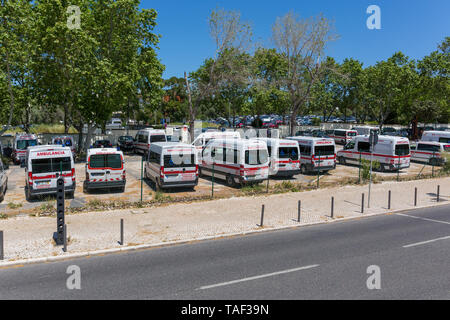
(426, 219)
(257, 277)
(425, 242)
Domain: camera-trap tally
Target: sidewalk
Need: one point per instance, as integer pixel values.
(31, 237)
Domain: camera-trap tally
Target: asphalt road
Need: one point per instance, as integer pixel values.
(327, 261)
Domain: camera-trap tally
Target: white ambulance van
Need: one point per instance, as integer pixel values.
(429, 152)
(284, 157)
(172, 164)
(237, 161)
(392, 153)
(436, 136)
(343, 136)
(145, 137)
(44, 165)
(105, 169)
(316, 153)
(65, 141)
(21, 143)
(202, 140)
(365, 130)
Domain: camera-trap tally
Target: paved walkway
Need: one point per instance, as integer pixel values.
(31, 237)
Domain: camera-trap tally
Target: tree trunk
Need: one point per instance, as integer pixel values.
(191, 109)
(10, 89)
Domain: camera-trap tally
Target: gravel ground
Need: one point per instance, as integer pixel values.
(27, 237)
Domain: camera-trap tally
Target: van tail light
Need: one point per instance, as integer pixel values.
(241, 170)
(196, 170)
(124, 175)
(87, 176)
(73, 174)
(161, 173)
(30, 178)
(312, 159)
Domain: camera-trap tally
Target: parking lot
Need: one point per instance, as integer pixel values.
(16, 204)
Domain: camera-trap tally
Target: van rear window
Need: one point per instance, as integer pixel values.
(256, 157)
(444, 140)
(158, 138)
(179, 160)
(51, 165)
(112, 161)
(402, 149)
(288, 153)
(324, 150)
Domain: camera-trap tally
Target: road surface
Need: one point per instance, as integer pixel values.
(330, 261)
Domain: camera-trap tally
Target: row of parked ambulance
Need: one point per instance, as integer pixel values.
(226, 155)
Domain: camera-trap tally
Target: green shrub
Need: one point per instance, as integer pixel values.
(365, 169)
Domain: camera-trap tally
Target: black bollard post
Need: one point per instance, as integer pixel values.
(362, 203)
(121, 232)
(389, 200)
(332, 207)
(65, 238)
(299, 210)
(438, 190)
(262, 216)
(415, 197)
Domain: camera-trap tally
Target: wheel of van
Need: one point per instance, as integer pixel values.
(230, 181)
(2, 195)
(342, 161)
(433, 162)
(200, 174)
(71, 195)
(303, 169)
(157, 185)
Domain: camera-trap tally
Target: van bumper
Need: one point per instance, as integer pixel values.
(321, 168)
(39, 192)
(179, 184)
(286, 173)
(104, 184)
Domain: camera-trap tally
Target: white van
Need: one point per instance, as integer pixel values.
(437, 136)
(21, 143)
(65, 141)
(343, 136)
(391, 152)
(202, 140)
(365, 130)
(105, 169)
(429, 152)
(284, 157)
(44, 165)
(3, 180)
(172, 164)
(316, 153)
(237, 161)
(145, 137)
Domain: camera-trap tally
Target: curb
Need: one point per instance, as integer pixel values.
(193, 240)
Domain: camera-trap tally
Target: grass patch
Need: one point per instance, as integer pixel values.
(12, 205)
(3, 216)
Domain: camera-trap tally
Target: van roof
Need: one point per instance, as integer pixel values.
(275, 141)
(160, 146)
(103, 151)
(239, 142)
(382, 138)
(445, 133)
(208, 134)
(311, 139)
(151, 130)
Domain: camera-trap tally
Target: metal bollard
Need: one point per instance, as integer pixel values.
(438, 190)
(415, 197)
(65, 238)
(299, 210)
(262, 216)
(2, 251)
(389, 200)
(332, 207)
(362, 203)
(121, 232)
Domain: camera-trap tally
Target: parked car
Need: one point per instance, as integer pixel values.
(126, 143)
(102, 144)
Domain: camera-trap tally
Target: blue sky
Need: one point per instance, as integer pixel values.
(414, 27)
